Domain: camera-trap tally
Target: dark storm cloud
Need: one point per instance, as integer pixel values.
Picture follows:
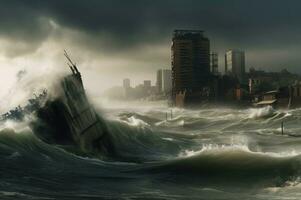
(132, 19)
(246, 24)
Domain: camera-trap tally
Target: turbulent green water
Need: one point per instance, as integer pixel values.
(216, 153)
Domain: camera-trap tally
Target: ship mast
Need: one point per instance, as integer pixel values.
(72, 65)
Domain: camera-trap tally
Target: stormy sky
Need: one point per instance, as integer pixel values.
(114, 39)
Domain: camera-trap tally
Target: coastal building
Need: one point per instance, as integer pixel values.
(164, 81)
(259, 84)
(147, 84)
(190, 65)
(159, 81)
(126, 83)
(126, 88)
(283, 97)
(235, 64)
(214, 63)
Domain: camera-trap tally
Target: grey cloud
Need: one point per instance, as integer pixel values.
(122, 25)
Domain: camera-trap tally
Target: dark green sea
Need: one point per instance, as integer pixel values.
(216, 153)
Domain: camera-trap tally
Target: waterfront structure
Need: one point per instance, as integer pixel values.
(126, 88)
(147, 84)
(235, 64)
(190, 65)
(164, 81)
(159, 81)
(214, 63)
(126, 83)
(261, 81)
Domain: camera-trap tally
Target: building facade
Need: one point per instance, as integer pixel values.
(159, 81)
(164, 81)
(235, 64)
(147, 84)
(126, 87)
(214, 63)
(190, 64)
(126, 83)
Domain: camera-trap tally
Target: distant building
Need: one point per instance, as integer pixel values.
(235, 64)
(261, 81)
(260, 84)
(159, 81)
(147, 84)
(214, 63)
(190, 65)
(126, 83)
(284, 97)
(164, 81)
(126, 88)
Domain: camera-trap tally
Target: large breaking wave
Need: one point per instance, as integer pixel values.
(226, 150)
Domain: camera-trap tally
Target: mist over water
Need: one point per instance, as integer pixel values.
(216, 153)
(20, 84)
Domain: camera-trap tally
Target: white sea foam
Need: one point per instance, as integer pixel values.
(18, 126)
(261, 112)
(133, 121)
(168, 139)
(215, 148)
(173, 123)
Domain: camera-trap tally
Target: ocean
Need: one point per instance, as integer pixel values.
(204, 153)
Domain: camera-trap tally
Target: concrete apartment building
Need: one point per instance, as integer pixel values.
(190, 65)
(235, 64)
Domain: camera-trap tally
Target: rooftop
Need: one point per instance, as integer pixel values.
(269, 102)
(181, 33)
(272, 92)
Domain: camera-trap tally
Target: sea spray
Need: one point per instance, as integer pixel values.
(160, 158)
(255, 113)
(133, 121)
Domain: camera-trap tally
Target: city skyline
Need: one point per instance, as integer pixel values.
(102, 43)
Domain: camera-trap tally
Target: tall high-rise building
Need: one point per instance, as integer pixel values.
(235, 64)
(190, 64)
(164, 81)
(214, 63)
(126, 83)
(159, 81)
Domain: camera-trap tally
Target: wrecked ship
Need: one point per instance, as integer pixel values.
(71, 120)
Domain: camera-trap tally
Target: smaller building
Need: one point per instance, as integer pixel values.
(180, 99)
(166, 81)
(295, 94)
(268, 99)
(159, 81)
(260, 84)
(235, 64)
(147, 84)
(126, 83)
(126, 88)
(214, 63)
(276, 98)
